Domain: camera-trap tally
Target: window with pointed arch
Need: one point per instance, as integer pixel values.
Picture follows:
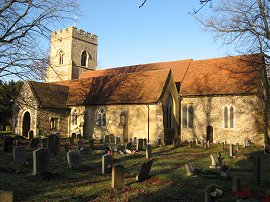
(100, 117)
(83, 58)
(61, 57)
(187, 116)
(229, 117)
(74, 117)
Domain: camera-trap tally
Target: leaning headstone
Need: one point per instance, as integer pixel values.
(33, 143)
(30, 134)
(214, 161)
(79, 144)
(74, 159)
(106, 140)
(53, 143)
(190, 169)
(117, 140)
(207, 193)
(40, 161)
(73, 135)
(107, 163)
(231, 150)
(144, 171)
(19, 154)
(139, 144)
(44, 142)
(148, 152)
(236, 184)
(7, 144)
(6, 196)
(128, 146)
(257, 171)
(118, 173)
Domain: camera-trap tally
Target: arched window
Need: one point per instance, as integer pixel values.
(231, 117)
(74, 117)
(190, 116)
(226, 117)
(100, 117)
(169, 112)
(83, 58)
(184, 116)
(61, 57)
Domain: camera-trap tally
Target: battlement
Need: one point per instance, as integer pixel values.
(76, 33)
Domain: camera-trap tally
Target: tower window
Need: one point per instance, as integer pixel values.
(83, 58)
(61, 57)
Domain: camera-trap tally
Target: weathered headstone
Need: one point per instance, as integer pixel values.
(107, 163)
(30, 134)
(40, 161)
(19, 154)
(33, 143)
(190, 144)
(74, 159)
(139, 145)
(144, 142)
(207, 192)
(53, 144)
(73, 135)
(231, 150)
(190, 168)
(223, 146)
(128, 146)
(79, 144)
(106, 140)
(236, 184)
(130, 139)
(214, 161)
(118, 173)
(6, 196)
(159, 142)
(44, 142)
(71, 141)
(257, 171)
(7, 144)
(196, 142)
(208, 144)
(117, 140)
(144, 171)
(79, 136)
(203, 142)
(148, 152)
(135, 140)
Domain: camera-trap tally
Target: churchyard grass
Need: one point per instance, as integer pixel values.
(168, 179)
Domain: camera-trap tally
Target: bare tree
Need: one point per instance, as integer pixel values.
(245, 25)
(23, 26)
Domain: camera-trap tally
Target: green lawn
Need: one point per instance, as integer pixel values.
(168, 177)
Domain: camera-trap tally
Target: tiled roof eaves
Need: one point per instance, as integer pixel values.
(219, 95)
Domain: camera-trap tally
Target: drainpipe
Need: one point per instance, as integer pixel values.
(148, 122)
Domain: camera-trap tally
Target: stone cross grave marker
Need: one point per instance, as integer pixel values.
(33, 143)
(144, 171)
(139, 145)
(6, 196)
(7, 144)
(44, 143)
(118, 173)
(107, 163)
(74, 159)
(40, 161)
(106, 140)
(53, 143)
(19, 154)
(148, 152)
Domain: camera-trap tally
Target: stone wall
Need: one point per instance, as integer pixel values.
(209, 111)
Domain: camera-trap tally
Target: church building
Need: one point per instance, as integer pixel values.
(213, 99)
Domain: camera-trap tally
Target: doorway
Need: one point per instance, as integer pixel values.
(169, 130)
(26, 124)
(209, 134)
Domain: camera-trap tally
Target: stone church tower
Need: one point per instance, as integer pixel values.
(72, 52)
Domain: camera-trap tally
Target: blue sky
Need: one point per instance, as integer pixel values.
(162, 30)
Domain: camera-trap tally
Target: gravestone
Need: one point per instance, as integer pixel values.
(107, 163)
(148, 152)
(237, 148)
(106, 140)
(128, 146)
(208, 144)
(231, 150)
(203, 142)
(53, 144)
(139, 145)
(190, 144)
(257, 171)
(74, 159)
(6, 196)
(91, 143)
(215, 163)
(44, 143)
(135, 140)
(236, 184)
(30, 134)
(33, 143)
(207, 193)
(71, 141)
(130, 139)
(159, 142)
(144, 142)
(190, 168)
(7, 144)
(79, 144)
(40, 161)
(118, 173)
(117, 140)
(79, 136)
(19, 154)
(73, 135)
(223, 146)
(144, 171)
(196, 142)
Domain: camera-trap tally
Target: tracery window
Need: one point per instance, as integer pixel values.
(61, 57)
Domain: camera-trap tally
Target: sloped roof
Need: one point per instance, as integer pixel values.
(219, 76)
(130, 88)
(49, 94)
(178, 68)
